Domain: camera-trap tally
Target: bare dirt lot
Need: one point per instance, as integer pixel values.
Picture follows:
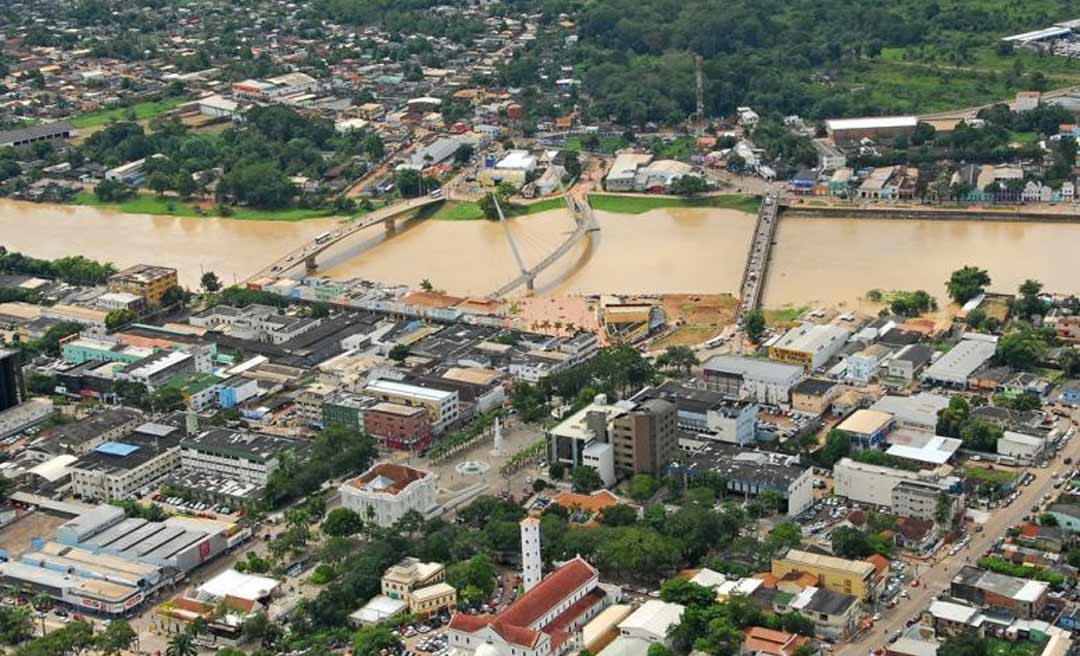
(15, 538)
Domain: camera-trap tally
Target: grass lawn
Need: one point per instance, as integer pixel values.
(143, 110)
(786, 314)
(640, 204)
(680, 149)
(689, 335)
(156, 205)
(470, 211)
(1023, 137)
(989, 475)
(1018, 648)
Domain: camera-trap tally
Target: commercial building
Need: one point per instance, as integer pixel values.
(89, 349)
(880, 127)
(261, 323)
(867, 428)
(386, 492)
(421, 585)
(158, 369)
(849, 577)
(396, 426)
(224, 603)
(961, 361)
(895, 489)
(147, 281)
(346, 410)
(1027, 449)
(1008, 595)
(809, 345)
(129, 468)
(12, 386)
(541, 622)
(864, 365)
(441, 405)
(310, 402)
(750, 473)
(909, 362)
(918, 412)
(814, 395)
(707, 413)
(646, 438)
(248, 458)
(623, 171)
(759, 380)
(83, 436)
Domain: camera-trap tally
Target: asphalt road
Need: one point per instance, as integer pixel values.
(935, 578)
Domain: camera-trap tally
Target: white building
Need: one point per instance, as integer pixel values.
(956, 366)
(582, 438)
(128, 468)
(241, 456)
(531, 561)
(918, 412)
(1025, 448)
(877, 486)
(623, 171)
(386, 492)
(760, 380)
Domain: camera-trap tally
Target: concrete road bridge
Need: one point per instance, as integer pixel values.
(308, 253)
(757, 259)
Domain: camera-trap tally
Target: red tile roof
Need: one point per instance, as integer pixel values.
(400, 476)
(768, 641)
(880, 563)
(515, 624)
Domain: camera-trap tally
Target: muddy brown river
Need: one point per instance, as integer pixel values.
(833, 261)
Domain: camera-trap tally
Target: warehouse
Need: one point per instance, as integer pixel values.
(1025, 448)
(760, 380)
(809, 345)
(918, 412)
(880, 127)
(956, 366)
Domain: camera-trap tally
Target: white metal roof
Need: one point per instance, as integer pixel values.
(242, 586)
(871, 123)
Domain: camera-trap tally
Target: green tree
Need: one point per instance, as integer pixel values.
(410, 183)
(1020, 348)
(641, 487)
(375, 640)
(399, 352)
(477, 571)
(182, 644)
(210, 282)
(586, 479)
(966, 283)
(967, 643)
(119, 318)
(173, 296)
(342, 522)
(688, 185)
(556, 470)
(850, 543)
(159, 183)
(117, 638)
(682, 591)
(837, 446)
(755, 325)
(619, 515)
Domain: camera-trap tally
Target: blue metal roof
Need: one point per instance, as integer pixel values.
(117, 449)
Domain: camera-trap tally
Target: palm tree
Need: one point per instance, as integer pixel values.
(181, 645)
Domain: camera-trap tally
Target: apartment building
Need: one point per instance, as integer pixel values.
(145, 280)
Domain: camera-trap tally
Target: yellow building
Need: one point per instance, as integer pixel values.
(144, 280)
(850, 577)
(809, 345)
(432, 599)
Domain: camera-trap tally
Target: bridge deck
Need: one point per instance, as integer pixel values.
(757, 259)
(312, 249)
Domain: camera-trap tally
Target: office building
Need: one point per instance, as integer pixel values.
(400, 427)
(646, 438)
(149, 282)
(12, 386)
(749, 473)
(584, 438)
(903, 492)
(386, 492)
(248, 458)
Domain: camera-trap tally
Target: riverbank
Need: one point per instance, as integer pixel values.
(639, 203)
(144, 203)
(1061, 213)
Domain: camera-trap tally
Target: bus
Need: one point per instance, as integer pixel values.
(323, 238)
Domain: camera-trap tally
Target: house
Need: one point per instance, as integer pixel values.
(908, 362)
(950, 618)
(1025, 448)
(1067, 516)
(760, 641)
(835, 615)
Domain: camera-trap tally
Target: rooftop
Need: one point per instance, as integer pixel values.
(388, 478)
(755, 368)
(242, 444)
(805, 558)
(865, 422)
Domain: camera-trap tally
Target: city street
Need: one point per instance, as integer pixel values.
(936, 577)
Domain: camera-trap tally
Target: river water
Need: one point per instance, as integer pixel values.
(830, 261)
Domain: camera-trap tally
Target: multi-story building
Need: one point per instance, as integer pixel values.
(835, 615)
(749, 473)
(584, 438)
(707, 412)
(396, 426)
(646, 438)
(421, 585)
(918, 412)
(245, 457)
(87, 349)
(1009, 595)
(905, 493)
(310, 402)
(129, 468)
(386, 492)
(809, 345)
(867, 428)
(83, 436)
(12, 387)
(149, 282)
(814, 395)
(346, 410)
(261, 323)
(864, 365)
(849, 577)
(158, 369)
(441, 405)
(759, 380)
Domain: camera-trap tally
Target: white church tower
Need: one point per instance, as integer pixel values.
(531, 563)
